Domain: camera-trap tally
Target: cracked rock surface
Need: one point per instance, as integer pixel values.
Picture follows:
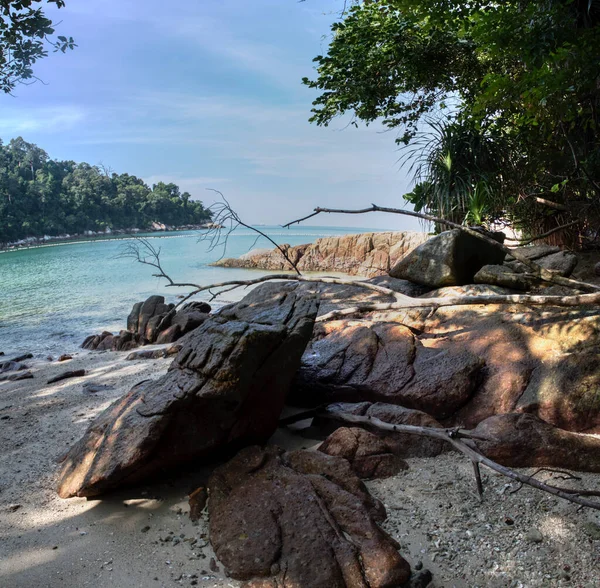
(300, 519)
(225, 389)
(354, 360)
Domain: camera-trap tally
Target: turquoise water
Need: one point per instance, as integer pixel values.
(52, 297)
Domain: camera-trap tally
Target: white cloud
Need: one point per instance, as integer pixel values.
(43, 120)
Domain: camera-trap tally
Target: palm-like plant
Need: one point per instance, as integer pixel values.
(460, 171)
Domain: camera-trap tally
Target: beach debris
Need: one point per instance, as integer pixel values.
(534, 536)
(11, 366)
(22, 357)
(93, 387)
(16, 376)
(65, 375)
(197, 501)
(301, 518)
(154, 353)
(226, 388)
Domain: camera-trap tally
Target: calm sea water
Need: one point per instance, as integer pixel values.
(52, 297)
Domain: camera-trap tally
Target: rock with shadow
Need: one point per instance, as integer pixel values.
(300, 520)
(524, 440)
(451, 258)
(354, 360)
(225, 389)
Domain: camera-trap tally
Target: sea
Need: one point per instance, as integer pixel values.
(53, 296)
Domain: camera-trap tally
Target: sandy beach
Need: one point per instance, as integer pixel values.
(143, 537)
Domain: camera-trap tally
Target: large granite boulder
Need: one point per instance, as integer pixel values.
(225, 389)
(354, 360)
(300, 519)
(523, 440)
(451, 258)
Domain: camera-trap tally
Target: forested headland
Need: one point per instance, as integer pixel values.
(41, 196)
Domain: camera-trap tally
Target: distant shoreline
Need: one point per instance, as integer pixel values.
(90, 236)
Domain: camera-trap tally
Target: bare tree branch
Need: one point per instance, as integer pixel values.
(523, 242)
(538, 271)
(454, 437)
(226, 220)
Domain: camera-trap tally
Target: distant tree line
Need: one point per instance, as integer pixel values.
(40, 196)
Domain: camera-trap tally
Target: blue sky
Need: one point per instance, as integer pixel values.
(207, 94)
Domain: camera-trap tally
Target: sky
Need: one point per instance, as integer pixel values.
(208, 94)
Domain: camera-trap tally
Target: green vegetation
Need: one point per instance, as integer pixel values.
(40, 196)
(498, 102)
(25, 34)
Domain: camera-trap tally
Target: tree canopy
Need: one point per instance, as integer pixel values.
(40, 196)
(520, 80)
(25, 35)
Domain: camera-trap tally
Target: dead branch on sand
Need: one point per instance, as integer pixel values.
(462, 441)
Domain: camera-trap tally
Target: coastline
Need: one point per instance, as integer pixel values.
(92, 236)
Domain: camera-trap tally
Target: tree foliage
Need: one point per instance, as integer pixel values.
(40, 196)
(524, 76)
(25, 36)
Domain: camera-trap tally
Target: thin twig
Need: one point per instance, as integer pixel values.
(224, 216)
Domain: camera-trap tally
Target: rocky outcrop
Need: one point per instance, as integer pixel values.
(350, 360)
(300, 519)
(151, 321)
(225, 389)
(462, 364)
(451, 258)
(523, 440)
(370, 455)
(367, 254)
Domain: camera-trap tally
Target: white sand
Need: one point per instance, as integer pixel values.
(433, 512)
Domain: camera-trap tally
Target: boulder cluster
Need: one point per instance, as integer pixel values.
(151, 321)
(523, 378)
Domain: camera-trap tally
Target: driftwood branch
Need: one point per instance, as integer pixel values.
(462, 441)
(537, 270)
